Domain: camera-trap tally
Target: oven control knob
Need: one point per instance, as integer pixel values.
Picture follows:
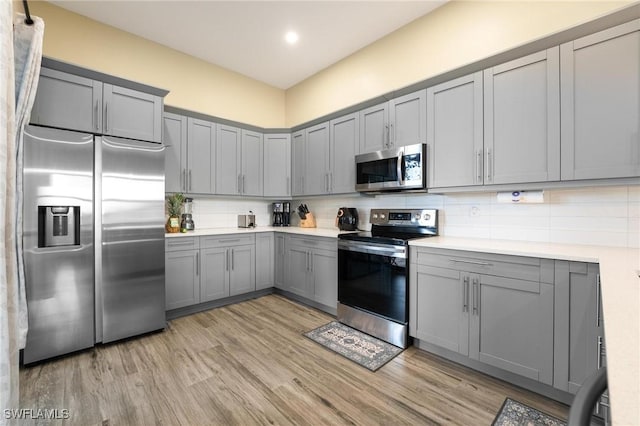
(417, 217)
(381, 215)
(426, 216)
(375, 215)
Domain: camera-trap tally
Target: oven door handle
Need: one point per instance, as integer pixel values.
(391, 251)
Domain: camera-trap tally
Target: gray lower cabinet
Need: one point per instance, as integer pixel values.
(73, 102)
(265, 260)
(233, 268)
(492, 308)
(280, 253)
(311, 269)
(277, 165)
(182, 276)
(522, 120)
(601, 104)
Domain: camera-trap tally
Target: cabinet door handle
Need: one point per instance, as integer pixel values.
(226, 259)
(197, 263)
(189, 179)
(106, 117)
(310, 262)
(598, 300)
(238, 184)
(96, 116)
(386, 143)
(243, 184)
(392, 135)
(479, 166)
(288, 185)
(489, 164)
(182, 180)
(465, 294)
(476, 307)
(233, 260)
(471, 262)
(330, 182)
(599, 352)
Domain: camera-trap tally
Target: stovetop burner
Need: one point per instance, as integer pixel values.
(397, 227)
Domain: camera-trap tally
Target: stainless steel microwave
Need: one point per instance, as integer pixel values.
(397, 169)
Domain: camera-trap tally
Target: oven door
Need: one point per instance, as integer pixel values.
(392, 170)
(374, 278)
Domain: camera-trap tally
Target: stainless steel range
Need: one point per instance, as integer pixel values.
(373, 272)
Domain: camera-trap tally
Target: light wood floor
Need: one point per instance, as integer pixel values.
(250, 364)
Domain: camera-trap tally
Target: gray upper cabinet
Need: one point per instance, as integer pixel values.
(174, 139)
(455, 132)
(522, 120)
(277, 165)
(228, 176)
(131, 114)
(251, 164)
(408, 119)
(374, 128)
(344, 147)
(398, 122)
(601, 104)
(201, 153)
(298, 162)
(68, 101)
(317, 154)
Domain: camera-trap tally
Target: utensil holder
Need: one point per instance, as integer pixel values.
(308, 222)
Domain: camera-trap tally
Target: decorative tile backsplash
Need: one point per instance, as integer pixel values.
(597, 215)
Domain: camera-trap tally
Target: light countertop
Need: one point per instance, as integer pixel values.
(620, 284)
(316, 232)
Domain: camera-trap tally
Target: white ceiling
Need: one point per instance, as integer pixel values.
(248, 36)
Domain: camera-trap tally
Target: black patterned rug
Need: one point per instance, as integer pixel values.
(359, 347)
(514, 413)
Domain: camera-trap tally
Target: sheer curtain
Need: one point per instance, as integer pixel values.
(20, 57)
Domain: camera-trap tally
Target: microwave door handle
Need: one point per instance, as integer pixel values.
(399, 168)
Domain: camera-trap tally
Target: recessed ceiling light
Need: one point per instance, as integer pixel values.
(291, 37)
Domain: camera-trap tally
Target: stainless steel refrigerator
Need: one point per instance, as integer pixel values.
(93, 240)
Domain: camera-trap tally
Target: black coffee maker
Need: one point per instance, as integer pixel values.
(347, 219)
(278, 214)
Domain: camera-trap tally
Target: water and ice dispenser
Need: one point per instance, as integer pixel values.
(58, 226)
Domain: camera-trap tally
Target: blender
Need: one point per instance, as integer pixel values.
(187, 216)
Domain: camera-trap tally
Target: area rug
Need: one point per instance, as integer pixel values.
(514, 413)
(359, 347)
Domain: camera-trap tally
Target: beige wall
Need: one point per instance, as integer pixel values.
(194, 84)
(458, 33)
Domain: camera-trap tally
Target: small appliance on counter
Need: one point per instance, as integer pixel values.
(347, 219)
(278, 214)
(187, 223)
(281, 214)
(286, 213)
(247, 220)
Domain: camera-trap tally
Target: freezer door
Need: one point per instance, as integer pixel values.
(58, 178)
(130, 276)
